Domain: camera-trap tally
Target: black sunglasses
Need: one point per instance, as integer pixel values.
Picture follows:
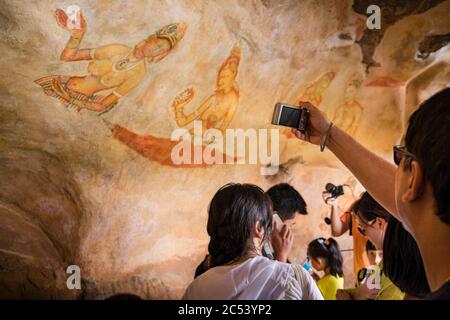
(399, 152)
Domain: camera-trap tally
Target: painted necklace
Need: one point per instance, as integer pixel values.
(125, 64)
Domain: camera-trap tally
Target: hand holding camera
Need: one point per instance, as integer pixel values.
(329, 199)
(318, 125)
(291, 116)
(307, 122)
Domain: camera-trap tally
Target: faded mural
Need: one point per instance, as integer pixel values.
(87, 176)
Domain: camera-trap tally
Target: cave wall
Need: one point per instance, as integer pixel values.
(98, 189)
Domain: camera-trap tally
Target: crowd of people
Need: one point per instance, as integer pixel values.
(400, 225)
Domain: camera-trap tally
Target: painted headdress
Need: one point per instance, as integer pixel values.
(173, 32)
(233, 59)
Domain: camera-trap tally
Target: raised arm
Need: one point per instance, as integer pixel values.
(77, 29)
(181, 101)
(339, 224)
(375, 174)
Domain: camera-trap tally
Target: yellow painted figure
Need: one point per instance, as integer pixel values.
(348, 115)
(313, 94)
(115, 69)
(218, 109)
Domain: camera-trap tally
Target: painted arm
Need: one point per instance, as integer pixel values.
(72, 51)
(375, 174)
(229, 116)
(108, 101)
(99, 106)
(181, 101)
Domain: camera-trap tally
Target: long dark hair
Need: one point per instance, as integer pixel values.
(232, 213)
(402, 261)
(327, 249)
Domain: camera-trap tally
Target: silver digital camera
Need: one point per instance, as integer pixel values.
(291, 116)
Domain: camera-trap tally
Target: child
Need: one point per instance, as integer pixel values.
(325, 256)
(374, 256)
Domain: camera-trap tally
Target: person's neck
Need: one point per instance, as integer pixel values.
(245, 257)
(326, 271)
(433, 239)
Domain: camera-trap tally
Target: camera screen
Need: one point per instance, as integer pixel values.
(290, 117)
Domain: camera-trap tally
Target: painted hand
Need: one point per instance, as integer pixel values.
(75, 23)
(183, 97)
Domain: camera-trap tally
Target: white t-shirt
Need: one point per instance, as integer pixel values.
(257, 278)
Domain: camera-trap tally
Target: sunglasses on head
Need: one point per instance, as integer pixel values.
(400, 152)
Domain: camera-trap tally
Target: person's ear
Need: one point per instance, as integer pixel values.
(416, 182)
(380, 223)
(258, 230)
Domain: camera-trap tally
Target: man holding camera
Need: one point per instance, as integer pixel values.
(417, 191)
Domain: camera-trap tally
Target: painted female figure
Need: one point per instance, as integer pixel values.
(218, 109)
(114, 68)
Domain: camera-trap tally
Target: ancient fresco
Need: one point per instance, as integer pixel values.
(312, 94)
(348, 115)
(391, 12)
(218, 109)
(116, 68)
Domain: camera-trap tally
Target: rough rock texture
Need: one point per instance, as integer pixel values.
(71, 192)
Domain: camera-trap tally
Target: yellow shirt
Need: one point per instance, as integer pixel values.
(388, 290)
(329, 285)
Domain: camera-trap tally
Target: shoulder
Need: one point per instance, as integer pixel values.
(442, 294)
(301, 285)
(331, 280)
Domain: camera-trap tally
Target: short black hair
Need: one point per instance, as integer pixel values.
(370, 246)
(286, 201)
(402, 262)
(428, 138)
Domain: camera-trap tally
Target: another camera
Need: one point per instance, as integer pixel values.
(291, 116)
(335, 191)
